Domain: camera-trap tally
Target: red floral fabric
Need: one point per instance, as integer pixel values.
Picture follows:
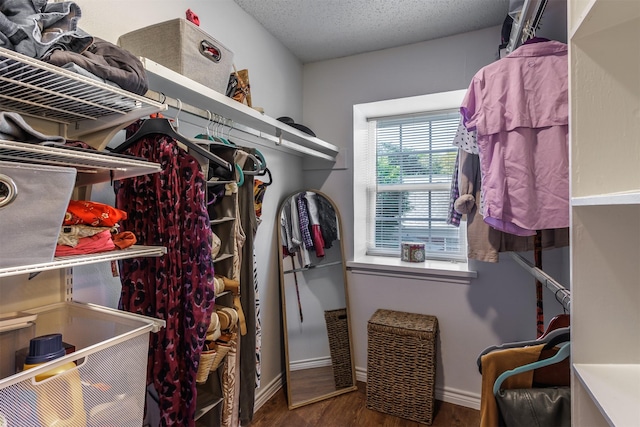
(92, 213)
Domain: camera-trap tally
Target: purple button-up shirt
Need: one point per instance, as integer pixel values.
(519, 108)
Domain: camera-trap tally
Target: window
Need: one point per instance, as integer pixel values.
(404, 166)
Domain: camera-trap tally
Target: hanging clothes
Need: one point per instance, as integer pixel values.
(247, 352)
(304, 221)
(169, 209)
(328, 221)
(483, 241)
(498, 361)
(314, 223)
(299, 246)
(453, 216)
(494, 364)
(519, 107)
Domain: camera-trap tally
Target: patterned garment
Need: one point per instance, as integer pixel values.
(303, 220)
(258, 322)
(230, 377)
(259, 188)
(466, 139)
(454, 216)
(314, 218)
(168, 208)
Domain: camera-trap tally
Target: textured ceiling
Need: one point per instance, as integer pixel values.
(316, 30)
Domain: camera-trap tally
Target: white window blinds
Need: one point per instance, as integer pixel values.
(410, 181)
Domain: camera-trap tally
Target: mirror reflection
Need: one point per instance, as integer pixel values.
(318, 351)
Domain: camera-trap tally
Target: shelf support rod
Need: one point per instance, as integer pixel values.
(562, 294)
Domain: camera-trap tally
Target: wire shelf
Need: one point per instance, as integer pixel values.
(76, 260)
(38, 89)
(92, 167)
(35, 88)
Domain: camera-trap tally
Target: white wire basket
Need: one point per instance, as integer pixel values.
(106, 387)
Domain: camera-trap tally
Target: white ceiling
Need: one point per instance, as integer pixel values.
(316, 30)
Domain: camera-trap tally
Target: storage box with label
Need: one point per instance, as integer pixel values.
(184, 48)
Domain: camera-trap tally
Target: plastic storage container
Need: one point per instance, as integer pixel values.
(184, 48)
(43, 349)
(111, 357)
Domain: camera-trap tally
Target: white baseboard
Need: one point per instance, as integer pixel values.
(310, 363)
(265, 393)
(449, 395)
(458, 397)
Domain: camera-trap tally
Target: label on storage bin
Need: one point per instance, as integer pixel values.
(413, 251)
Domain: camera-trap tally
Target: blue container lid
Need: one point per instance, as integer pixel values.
(45, 348)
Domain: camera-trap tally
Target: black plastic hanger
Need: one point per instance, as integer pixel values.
(265, 171)
(164, 127)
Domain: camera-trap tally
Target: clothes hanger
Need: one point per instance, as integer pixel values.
(214, 141)
(257, 164)
(554, 337)
(163, 126)
(220, 142)
(563, 353)
(266, 171)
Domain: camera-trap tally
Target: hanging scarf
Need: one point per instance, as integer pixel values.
(168, 208)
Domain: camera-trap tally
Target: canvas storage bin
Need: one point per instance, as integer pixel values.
(33, 201)
(111, 350)
(184, 48)
(401, 364)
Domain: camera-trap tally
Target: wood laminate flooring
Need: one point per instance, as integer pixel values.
(349, 410)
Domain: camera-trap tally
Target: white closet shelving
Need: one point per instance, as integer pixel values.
(60, 102)
(244, 118)
(604, 46)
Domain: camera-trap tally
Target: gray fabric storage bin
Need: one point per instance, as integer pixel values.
(184, 48)
(33, 202)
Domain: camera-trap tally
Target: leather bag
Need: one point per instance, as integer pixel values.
(535, 407)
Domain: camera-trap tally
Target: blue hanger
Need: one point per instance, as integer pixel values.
(563, 353)
(259, 155)
(240, 174)
(552, 339)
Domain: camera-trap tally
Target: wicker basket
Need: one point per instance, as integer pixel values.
(207, 358)
(338, 331)
(401, 365)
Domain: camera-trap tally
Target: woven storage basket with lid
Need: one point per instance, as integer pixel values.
(401, 365)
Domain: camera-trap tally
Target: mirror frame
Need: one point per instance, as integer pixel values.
(354, 387)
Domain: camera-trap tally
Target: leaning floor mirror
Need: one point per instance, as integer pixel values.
(313, 286)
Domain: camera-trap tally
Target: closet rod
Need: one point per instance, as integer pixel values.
(562, 294)
(530, 16)
(205, 114)
(312, 267)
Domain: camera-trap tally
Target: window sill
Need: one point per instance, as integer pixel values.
(427, 270)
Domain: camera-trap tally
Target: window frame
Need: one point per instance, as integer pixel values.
(418, 138)
(362, 113)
